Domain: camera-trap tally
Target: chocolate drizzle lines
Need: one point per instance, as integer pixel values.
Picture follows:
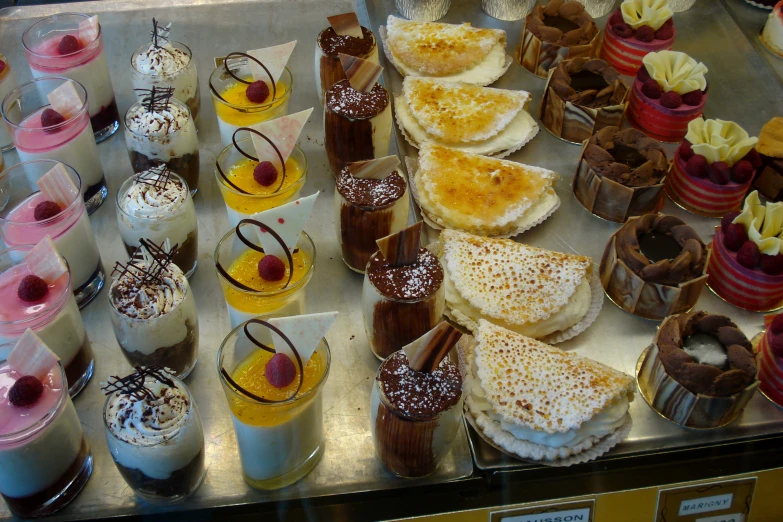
(250, 157)
(264, 347)
(235, 56)
(159, 33)
(134, 384)
(157, 259)
(156, 100)
(158, 177)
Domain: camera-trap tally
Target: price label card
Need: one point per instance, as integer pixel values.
(727, 501)
(578, 511)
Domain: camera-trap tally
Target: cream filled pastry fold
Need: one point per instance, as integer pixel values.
(454, 52)
(481, 195)
(480, 120)
(541, 403)
(532, 291)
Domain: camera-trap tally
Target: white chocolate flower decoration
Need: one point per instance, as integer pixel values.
(638, 13)
(676, 71)
(719, 140)
(764, 224)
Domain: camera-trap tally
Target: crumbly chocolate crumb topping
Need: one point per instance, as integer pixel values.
(349, 103)
(419, 395)
(332, 43)
(370, 193)
(409, 282)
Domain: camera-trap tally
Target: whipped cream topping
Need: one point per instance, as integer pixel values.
(146, 199)
(152, 420)
(719, 140)
(652, 13)
(157, 123)
(676, 71)
(165, 60)
(138, 297)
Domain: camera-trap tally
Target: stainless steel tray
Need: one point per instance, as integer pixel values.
(214, 28)
(751, 20)
(744, 89)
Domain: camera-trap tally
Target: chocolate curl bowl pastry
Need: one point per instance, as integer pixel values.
(769, 180)
(454, 52)
(621, 174)
(654, 266)
(700, 371)
(556, 32)
(582, 96)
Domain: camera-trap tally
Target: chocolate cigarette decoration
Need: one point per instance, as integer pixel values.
(134, 384)
(402, 248)
(257, 248)
(346, 24)
(156, 100)
(377, 168)
(361, 74)
(264, 347)
(158, 177)
(235, 56)
(426, 352)
(251, 157)
(157, 259)
(159, 33)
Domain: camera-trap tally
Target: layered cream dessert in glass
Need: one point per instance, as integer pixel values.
(156, 205)
(154, 434)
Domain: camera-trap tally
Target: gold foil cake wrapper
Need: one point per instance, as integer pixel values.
(684, 408)
(538, 57)
(574, 123)
(423, 10)
(613, 201)
(508, 10)
(655, 301)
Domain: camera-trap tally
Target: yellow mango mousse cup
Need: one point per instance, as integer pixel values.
(267, 297)
(238, 168)
(233, 108)
(281, 442)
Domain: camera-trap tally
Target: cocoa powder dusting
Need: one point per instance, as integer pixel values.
(332, 43)
(370, 193)
(346, 101)
(419, 395)
(408, 282)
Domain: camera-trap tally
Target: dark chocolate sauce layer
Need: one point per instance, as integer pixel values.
(332, 43)
(370, 193)
(419, 395)
(411, 282)
(344, 100)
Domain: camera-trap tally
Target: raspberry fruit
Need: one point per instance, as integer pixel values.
(692, 98)
(735, 237)
(665, 32)
(686, 151)
(728, 219)
(772, 265)
(25, 392)
(69, 44)
(671, 100)
(32, 288)
(754, 158)
(697, 166)
(271, 268)
(265, 173)
(777, 324)
(749, 255)
(50, 118)
(652, 90)
(2, 66)
(623, 30)
(642, 75)
(280, 370)
(720, 173)
(257, 92)
(645, 34)
(616, 18)
(46, 210)
(742, 171)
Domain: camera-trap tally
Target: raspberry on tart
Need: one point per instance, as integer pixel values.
(713, 168)
(746, 269)
(637, 28)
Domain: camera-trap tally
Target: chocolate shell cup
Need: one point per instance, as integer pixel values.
(574, 115)
(542, 46)
(653, 290)
(693, 395)
(615, 190)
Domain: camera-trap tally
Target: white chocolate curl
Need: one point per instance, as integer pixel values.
(675, 71)
(719, 140)
(653, 13)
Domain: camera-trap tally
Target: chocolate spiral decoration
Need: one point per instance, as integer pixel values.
(237, 78)
(264, 347)
(253, 158)
(257, 248)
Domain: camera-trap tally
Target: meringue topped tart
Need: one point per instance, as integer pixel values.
(550, 405)
(454, 52)
(481, 195)
(480, 120)
(532, 291)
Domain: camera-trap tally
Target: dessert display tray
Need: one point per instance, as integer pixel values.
(214, 28)
(751, 20)
(743, 88)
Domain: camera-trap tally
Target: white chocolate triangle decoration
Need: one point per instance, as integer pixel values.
(45, 261)
(274, 59)
(377, 168)
(31, 356)
(346, 24)
(284, 133)
(89, 29)
(288, 221)
(304, 331)
(57, 185)
(65, 99)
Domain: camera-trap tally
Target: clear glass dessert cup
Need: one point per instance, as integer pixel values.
(240, 204)
(45, 466)
(70, 142)
(179, 225)
(7, 84)
(58, 323)
(184, 81)
(88, 66)
(70, 230)
(279, 443)
(169, 340)
(410, 447)
(232, 115)
(177, 150)
(244, 304)
(166, 471)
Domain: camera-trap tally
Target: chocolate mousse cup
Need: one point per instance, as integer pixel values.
(166, 214)
(147, 71)
(414, 416)
(328, 47)
(149, 145)
(366, 210)
(401, 303)
(357, 125)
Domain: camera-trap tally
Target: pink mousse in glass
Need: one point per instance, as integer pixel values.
(71, 45)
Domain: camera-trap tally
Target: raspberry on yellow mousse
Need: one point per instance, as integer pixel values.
(243, 112)
(242, 175)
